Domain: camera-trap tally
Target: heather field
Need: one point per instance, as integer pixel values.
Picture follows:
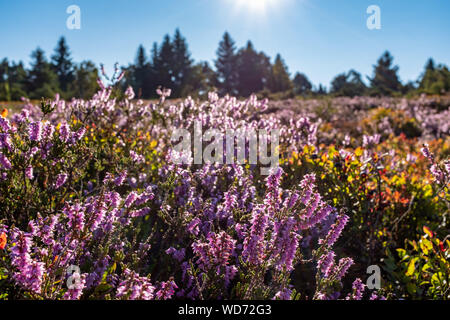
(97, 202)
(216, 158)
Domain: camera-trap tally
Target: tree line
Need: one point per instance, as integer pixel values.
(236, 71)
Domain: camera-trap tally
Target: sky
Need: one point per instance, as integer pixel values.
(320, 38)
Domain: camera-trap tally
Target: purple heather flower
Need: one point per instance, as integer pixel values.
(335, 230)
(167, 290)
(343, 266)
(284, 294)
(35, 131)
(29, 172)
(254, 242)
(426, 152)
(358, 290)
(64, 132)
(77, 290)
(177, 254)
(131, 198)
(121, 178)
(4, 162)
(193, 226)
(60, 180)
(326, 262)
(77, 136)
(5, 141)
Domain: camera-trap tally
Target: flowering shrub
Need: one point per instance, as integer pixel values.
(94, 205)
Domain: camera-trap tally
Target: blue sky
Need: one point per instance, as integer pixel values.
(318, 37)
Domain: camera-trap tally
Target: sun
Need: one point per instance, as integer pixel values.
(256, 6)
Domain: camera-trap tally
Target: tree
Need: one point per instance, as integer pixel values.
(42, 80)
(321, 90)
(279, 80)
(348, 84)
(85, 85)
(139, 72)
(435, 79)
(253, 70)
(202, 79)
(226, 65)
(181, 64)
(62, 64)
(162, 64)
(5, 91)
(301, 83)
(385, 80)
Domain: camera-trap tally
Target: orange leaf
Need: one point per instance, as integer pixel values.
(2, 241)
(428, 231)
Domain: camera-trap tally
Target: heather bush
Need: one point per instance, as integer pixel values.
(95, 205)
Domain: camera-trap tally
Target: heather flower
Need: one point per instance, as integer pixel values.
(29, 172)
(35, 131)
(64, 132)
(326, 263)
(167, 290)
(254, 242)
(135, 287)
(426, 152)
(76, 290)
(216, 253)
(284, 243)
(335, 231)
(5, 141)
(76, 217)
(60, 180)
(129, 93)
(284, 294)
(375, 296)
(48, 130)
(358, 290)
(343, 266)
(177, 254)
(121, 178)
(4, 162)
(131, 198)
(79, 134)
(193, 226)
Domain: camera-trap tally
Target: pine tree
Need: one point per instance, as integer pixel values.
(279, 80)
(85, 84)
(226, 65)
(435, 79)
(253, 70)
(62, 64)
(139, 73)
(348, 84)
(162, 65)
(385, 80)
(301, 83)
(181, 64)
(42, 80)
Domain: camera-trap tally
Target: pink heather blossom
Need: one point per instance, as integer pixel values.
(4, 162)
(167, 290)
(35, 131)
(60, 180)
(29, 172)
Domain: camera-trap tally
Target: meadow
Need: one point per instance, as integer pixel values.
(94, 205)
